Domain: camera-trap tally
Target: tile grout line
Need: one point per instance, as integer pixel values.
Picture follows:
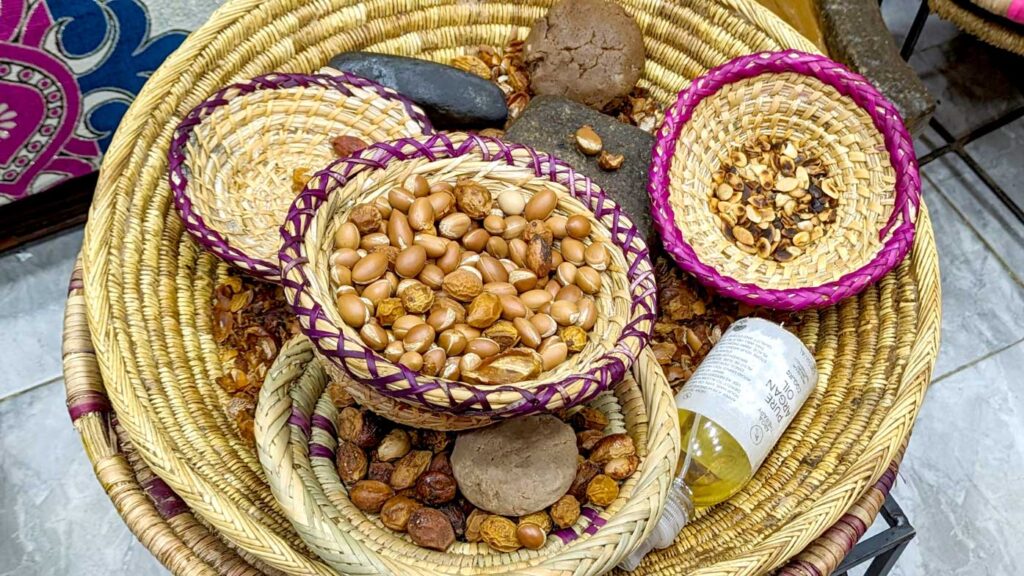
(17, 393)
(976, 361)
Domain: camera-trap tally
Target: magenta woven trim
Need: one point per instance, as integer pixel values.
(412, 388)
(88, 404)
(899, 229)
(194, 223)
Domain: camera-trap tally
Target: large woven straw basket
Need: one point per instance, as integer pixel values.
(997, 31)
(626, 303)
(232, 159)
(146, 290)
(833, 115)
(296, 438)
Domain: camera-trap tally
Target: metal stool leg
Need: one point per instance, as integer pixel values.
(914, 34)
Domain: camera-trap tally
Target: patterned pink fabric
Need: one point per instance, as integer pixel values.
(40, 104)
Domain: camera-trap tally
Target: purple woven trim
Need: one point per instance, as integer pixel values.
(413, 388)
(300, 420)
(323, 423)
(168, 504)
(566, 535)
(899, 228)
(92, 402)
(320, 451)
(595, 523)
(193, 220)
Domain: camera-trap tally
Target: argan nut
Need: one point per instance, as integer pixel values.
(452, 342)
(463, 285)
(374, 240)
(610, 162)
(565, 511)
(383, 206)
(411, 360)
(370, 495)
(341, 276)
(389, 310)
(400, 199)
(476, 240)
(586, 440)
(410, 262)
(421, 214)
(409, 468)
(346, 257)
(589, 280)
(573, 251)
(545, 324)
(454, 226)
(374, 336)
(596, 256)
(419, 338)
(517, 251)
(394, 350)
(431, 276)
(527, 332)
(417, 297)
(536, 299)
(473, 522)
(514, 226)
(442, 319)
(473, 199)
(588, 141)
(347, 236)
(377, 291)
(482, 347)
(511, 202)
(538, 256)
(554, 355)
(531, 536)
(353, 310)
(585, 472)
(500, 534)
(380, 471)
(470, 362)
(443, 302)
(602, 490)
(401, 327)
(553, 287)
(449, 261)
(494, 224)
(565, 312)
(497, 247)
(416, 184)
(351, 462)
(588, 313)
(541, 205)
(578, 226)
(366, 217)
(369, 268)
(484, 310)
(435, 488)
(433, 361)
(500, 289)
(621, 468)
(537, 229)
(433, 245)
(443, 203)
(574, 337)
(565, 273)
(430, 528)
(395, 513)
(512, 307)
(504, 333)
(468, 331)
(611, 447)
(491, 269)
(394, 446)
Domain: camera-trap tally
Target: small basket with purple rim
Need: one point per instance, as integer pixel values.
(838, 117)
(233, 159)
(626, 303)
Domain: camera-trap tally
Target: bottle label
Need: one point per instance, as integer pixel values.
(752, 384)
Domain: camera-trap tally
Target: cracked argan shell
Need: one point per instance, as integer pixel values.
(513, 365)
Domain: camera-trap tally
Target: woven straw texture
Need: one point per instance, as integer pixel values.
(232, 159)
(831, 114)
(296, 439)
(147, 285)
(999, 32)
(626, 303)
(166, 526)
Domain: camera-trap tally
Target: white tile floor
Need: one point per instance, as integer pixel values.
(961, 484)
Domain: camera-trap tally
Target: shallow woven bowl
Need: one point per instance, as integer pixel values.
(625, 303)
(841, 119)
(297, 440)
(232, 158)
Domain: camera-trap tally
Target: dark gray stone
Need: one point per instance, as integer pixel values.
(549, 124)
(450, 97)
(857, 36)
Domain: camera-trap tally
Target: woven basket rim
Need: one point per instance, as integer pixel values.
(602, 372)
(194, 222)
(898, 232)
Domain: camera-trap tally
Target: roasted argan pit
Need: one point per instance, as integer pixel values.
(451, 281)
(405, 476)
(771, 200)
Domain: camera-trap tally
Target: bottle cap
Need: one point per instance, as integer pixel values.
(673, 518)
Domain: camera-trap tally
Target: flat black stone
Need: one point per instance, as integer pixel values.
(451, 97)
(549, 124)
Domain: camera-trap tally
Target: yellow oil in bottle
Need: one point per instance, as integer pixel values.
(712, 464)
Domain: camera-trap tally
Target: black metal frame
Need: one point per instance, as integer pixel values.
(884, 549)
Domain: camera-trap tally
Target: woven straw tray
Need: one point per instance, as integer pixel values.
(146, 288)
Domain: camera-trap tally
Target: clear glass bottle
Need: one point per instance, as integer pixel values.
(732, 411)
